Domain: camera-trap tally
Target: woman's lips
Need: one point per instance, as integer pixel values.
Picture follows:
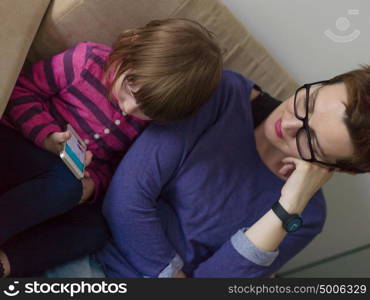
(278, 128)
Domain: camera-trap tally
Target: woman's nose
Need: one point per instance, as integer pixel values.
(290, 125)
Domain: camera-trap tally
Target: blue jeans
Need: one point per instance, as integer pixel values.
(35, 184)
(41, 223)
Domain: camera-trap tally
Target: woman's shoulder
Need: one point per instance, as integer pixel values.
(228, 100)
(232, 79)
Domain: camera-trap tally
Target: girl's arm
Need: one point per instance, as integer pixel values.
(34, 87)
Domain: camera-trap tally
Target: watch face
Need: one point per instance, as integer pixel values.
(293, 224)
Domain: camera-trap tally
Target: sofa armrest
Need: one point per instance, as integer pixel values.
(19, 23)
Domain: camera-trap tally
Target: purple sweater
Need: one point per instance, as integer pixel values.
(69, 88)
(184, 192)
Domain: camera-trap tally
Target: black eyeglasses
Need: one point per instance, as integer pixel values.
(304, 134)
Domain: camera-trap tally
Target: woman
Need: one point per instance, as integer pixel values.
(213, 196)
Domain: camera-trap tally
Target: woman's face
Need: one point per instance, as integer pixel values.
(124, 92)
(331, 139)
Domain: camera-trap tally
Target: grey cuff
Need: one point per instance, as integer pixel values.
(173, 267)
(248, 250)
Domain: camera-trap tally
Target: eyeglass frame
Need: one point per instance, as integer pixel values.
(305, 126)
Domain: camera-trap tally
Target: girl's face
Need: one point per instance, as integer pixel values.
(124, 92)
(329, 135)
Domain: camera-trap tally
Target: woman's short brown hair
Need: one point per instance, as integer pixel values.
(175, 62)
(357, 118)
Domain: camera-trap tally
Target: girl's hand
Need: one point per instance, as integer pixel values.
(304, 179)
(87, 189)
(54, 141)
(88, 159)
(87, 183)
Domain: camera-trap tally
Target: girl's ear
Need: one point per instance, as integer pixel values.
(134, 87)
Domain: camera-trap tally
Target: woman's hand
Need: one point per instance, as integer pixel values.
(304, 179)
(54, 141)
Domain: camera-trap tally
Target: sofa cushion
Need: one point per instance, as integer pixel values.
(19, 23)
(243, 53)
(70, 21)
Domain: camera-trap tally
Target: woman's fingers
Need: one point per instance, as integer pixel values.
(303, 178)
(292, 160)
(286, 170)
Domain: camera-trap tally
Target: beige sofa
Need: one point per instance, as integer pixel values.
(35, 29)
(19, 23)
(66, 22)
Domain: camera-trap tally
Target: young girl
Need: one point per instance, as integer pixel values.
(163, 71)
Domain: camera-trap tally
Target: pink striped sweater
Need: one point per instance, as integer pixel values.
(69, 88)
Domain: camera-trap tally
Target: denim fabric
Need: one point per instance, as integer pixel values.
(41, 223)
(35, 184)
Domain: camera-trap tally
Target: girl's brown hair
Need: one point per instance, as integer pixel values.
(357, 118)
(175, 62)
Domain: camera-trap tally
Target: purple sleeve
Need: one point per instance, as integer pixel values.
(239, 257)
(130, 204)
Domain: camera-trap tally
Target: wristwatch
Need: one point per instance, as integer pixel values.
(291, 222)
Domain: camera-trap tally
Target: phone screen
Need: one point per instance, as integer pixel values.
(76, 152)
(73, 153)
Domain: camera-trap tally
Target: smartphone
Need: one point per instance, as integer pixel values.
(73, 153)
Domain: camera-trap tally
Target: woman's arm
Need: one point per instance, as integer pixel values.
(265, 246)
(130, 204)
(267, 233)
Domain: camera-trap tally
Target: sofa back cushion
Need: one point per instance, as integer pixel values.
(68, 22)
(19, 23)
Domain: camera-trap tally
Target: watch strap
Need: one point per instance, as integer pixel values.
(287, 218)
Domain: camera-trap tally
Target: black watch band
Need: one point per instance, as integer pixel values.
(291, 222)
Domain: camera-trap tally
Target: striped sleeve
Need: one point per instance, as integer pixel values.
(27, 107)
